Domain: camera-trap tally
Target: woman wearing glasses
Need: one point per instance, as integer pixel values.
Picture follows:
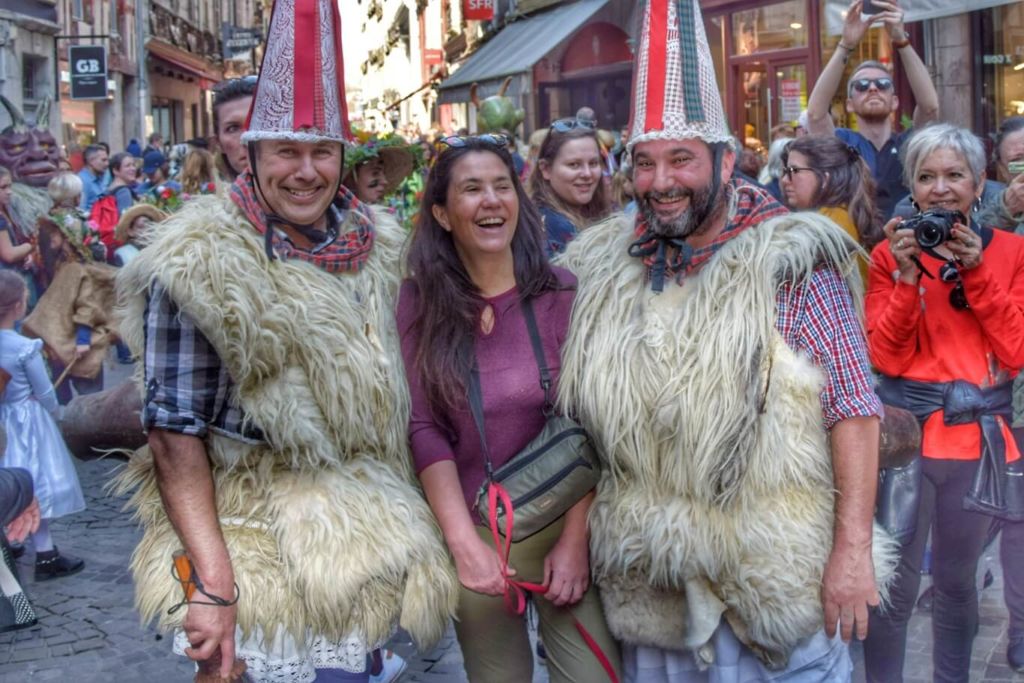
(567, 182)
(476, 255)
(945, 327)
(823, 173)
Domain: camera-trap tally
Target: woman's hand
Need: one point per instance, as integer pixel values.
(479, 567)
(567, 569)
(965, 245)
(905, 249)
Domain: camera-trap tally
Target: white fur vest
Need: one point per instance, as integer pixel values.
(717, 493)
(327, 532)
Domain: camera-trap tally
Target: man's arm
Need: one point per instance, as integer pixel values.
(186, 488)
(819, 104)
(848, 585)
(926, 109)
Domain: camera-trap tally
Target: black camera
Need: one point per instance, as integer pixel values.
(933, 227)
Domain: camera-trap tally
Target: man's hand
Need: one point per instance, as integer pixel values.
(1013, 196)
(856, 24)
(209, 628)
(892, 16)
(24, 524)
(848, 589)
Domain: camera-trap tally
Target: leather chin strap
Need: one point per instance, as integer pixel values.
(309, 231)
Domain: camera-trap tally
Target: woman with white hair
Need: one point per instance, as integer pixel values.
(945, 324)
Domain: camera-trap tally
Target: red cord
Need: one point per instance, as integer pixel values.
(515, 591)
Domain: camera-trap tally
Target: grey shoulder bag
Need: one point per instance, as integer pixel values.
(550, 475)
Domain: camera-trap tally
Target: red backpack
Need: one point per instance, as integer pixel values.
(105, 215)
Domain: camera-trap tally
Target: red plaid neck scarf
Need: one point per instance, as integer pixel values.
(674, 258)
(347, 253)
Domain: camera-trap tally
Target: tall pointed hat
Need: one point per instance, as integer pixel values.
(300, 94)
(675, 93)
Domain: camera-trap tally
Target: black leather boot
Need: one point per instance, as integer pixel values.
(52, 565)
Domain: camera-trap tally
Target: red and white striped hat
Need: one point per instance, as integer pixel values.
(300, 94)
(675, 93)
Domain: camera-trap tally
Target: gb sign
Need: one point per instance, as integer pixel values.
(88, 72)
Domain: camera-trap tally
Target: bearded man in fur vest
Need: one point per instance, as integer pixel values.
(275, 402)
(716, 357)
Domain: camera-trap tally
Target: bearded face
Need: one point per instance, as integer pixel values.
(691, 221)
(30, 153)
(675, 183)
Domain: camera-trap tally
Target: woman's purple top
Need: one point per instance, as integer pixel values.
(509, 381)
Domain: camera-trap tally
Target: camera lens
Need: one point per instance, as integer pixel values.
(931, 234)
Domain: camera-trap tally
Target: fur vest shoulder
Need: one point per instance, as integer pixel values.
(328, 534)
(717, 492)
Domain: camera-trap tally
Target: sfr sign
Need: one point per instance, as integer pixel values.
(480, 10)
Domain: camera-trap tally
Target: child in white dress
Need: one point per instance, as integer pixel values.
(27, 408)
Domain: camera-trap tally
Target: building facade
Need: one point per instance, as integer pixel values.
(27, 63)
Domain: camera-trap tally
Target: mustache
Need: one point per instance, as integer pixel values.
(675, 193)
(374, 184)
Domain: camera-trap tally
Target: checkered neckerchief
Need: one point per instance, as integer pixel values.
(347, 253)
(753, 206)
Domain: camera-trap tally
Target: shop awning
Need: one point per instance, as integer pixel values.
(515, 50)
(913, 10)
(183, 60)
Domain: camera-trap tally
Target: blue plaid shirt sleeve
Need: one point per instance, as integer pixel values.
(820, 320)
(186, 383)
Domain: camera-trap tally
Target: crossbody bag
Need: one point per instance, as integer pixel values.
(547, 477)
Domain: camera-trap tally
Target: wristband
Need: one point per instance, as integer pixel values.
(845, 47)
(901, 43)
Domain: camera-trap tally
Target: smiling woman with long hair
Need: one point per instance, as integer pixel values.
(567, 183)
(476, 256)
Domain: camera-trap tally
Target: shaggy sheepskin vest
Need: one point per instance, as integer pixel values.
(717, 491)
(328, 534)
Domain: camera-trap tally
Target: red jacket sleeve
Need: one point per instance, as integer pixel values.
(997, 301)
(892, 309)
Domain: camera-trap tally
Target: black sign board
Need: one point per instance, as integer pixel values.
(88, 72)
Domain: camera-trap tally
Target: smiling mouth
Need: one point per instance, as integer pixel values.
(490, 223)
(303, 194)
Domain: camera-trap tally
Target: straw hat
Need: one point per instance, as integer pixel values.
(396, 155)
(129, 216)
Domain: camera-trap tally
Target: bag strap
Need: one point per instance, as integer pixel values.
(475, 393)
(538, 354)
(476, 406)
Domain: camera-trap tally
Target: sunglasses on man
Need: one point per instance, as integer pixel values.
(864, 84)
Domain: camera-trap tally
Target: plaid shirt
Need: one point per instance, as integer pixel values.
(188, 389)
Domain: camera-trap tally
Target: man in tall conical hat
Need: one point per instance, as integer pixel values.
(274, 400)
(716, 357)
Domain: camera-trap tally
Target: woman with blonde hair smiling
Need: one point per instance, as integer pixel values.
(567, 183)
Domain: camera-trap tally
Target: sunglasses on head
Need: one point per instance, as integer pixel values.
(565, 125)
(864, 84)
(457, 141)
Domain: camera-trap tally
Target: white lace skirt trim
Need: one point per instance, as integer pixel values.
(285, 661)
